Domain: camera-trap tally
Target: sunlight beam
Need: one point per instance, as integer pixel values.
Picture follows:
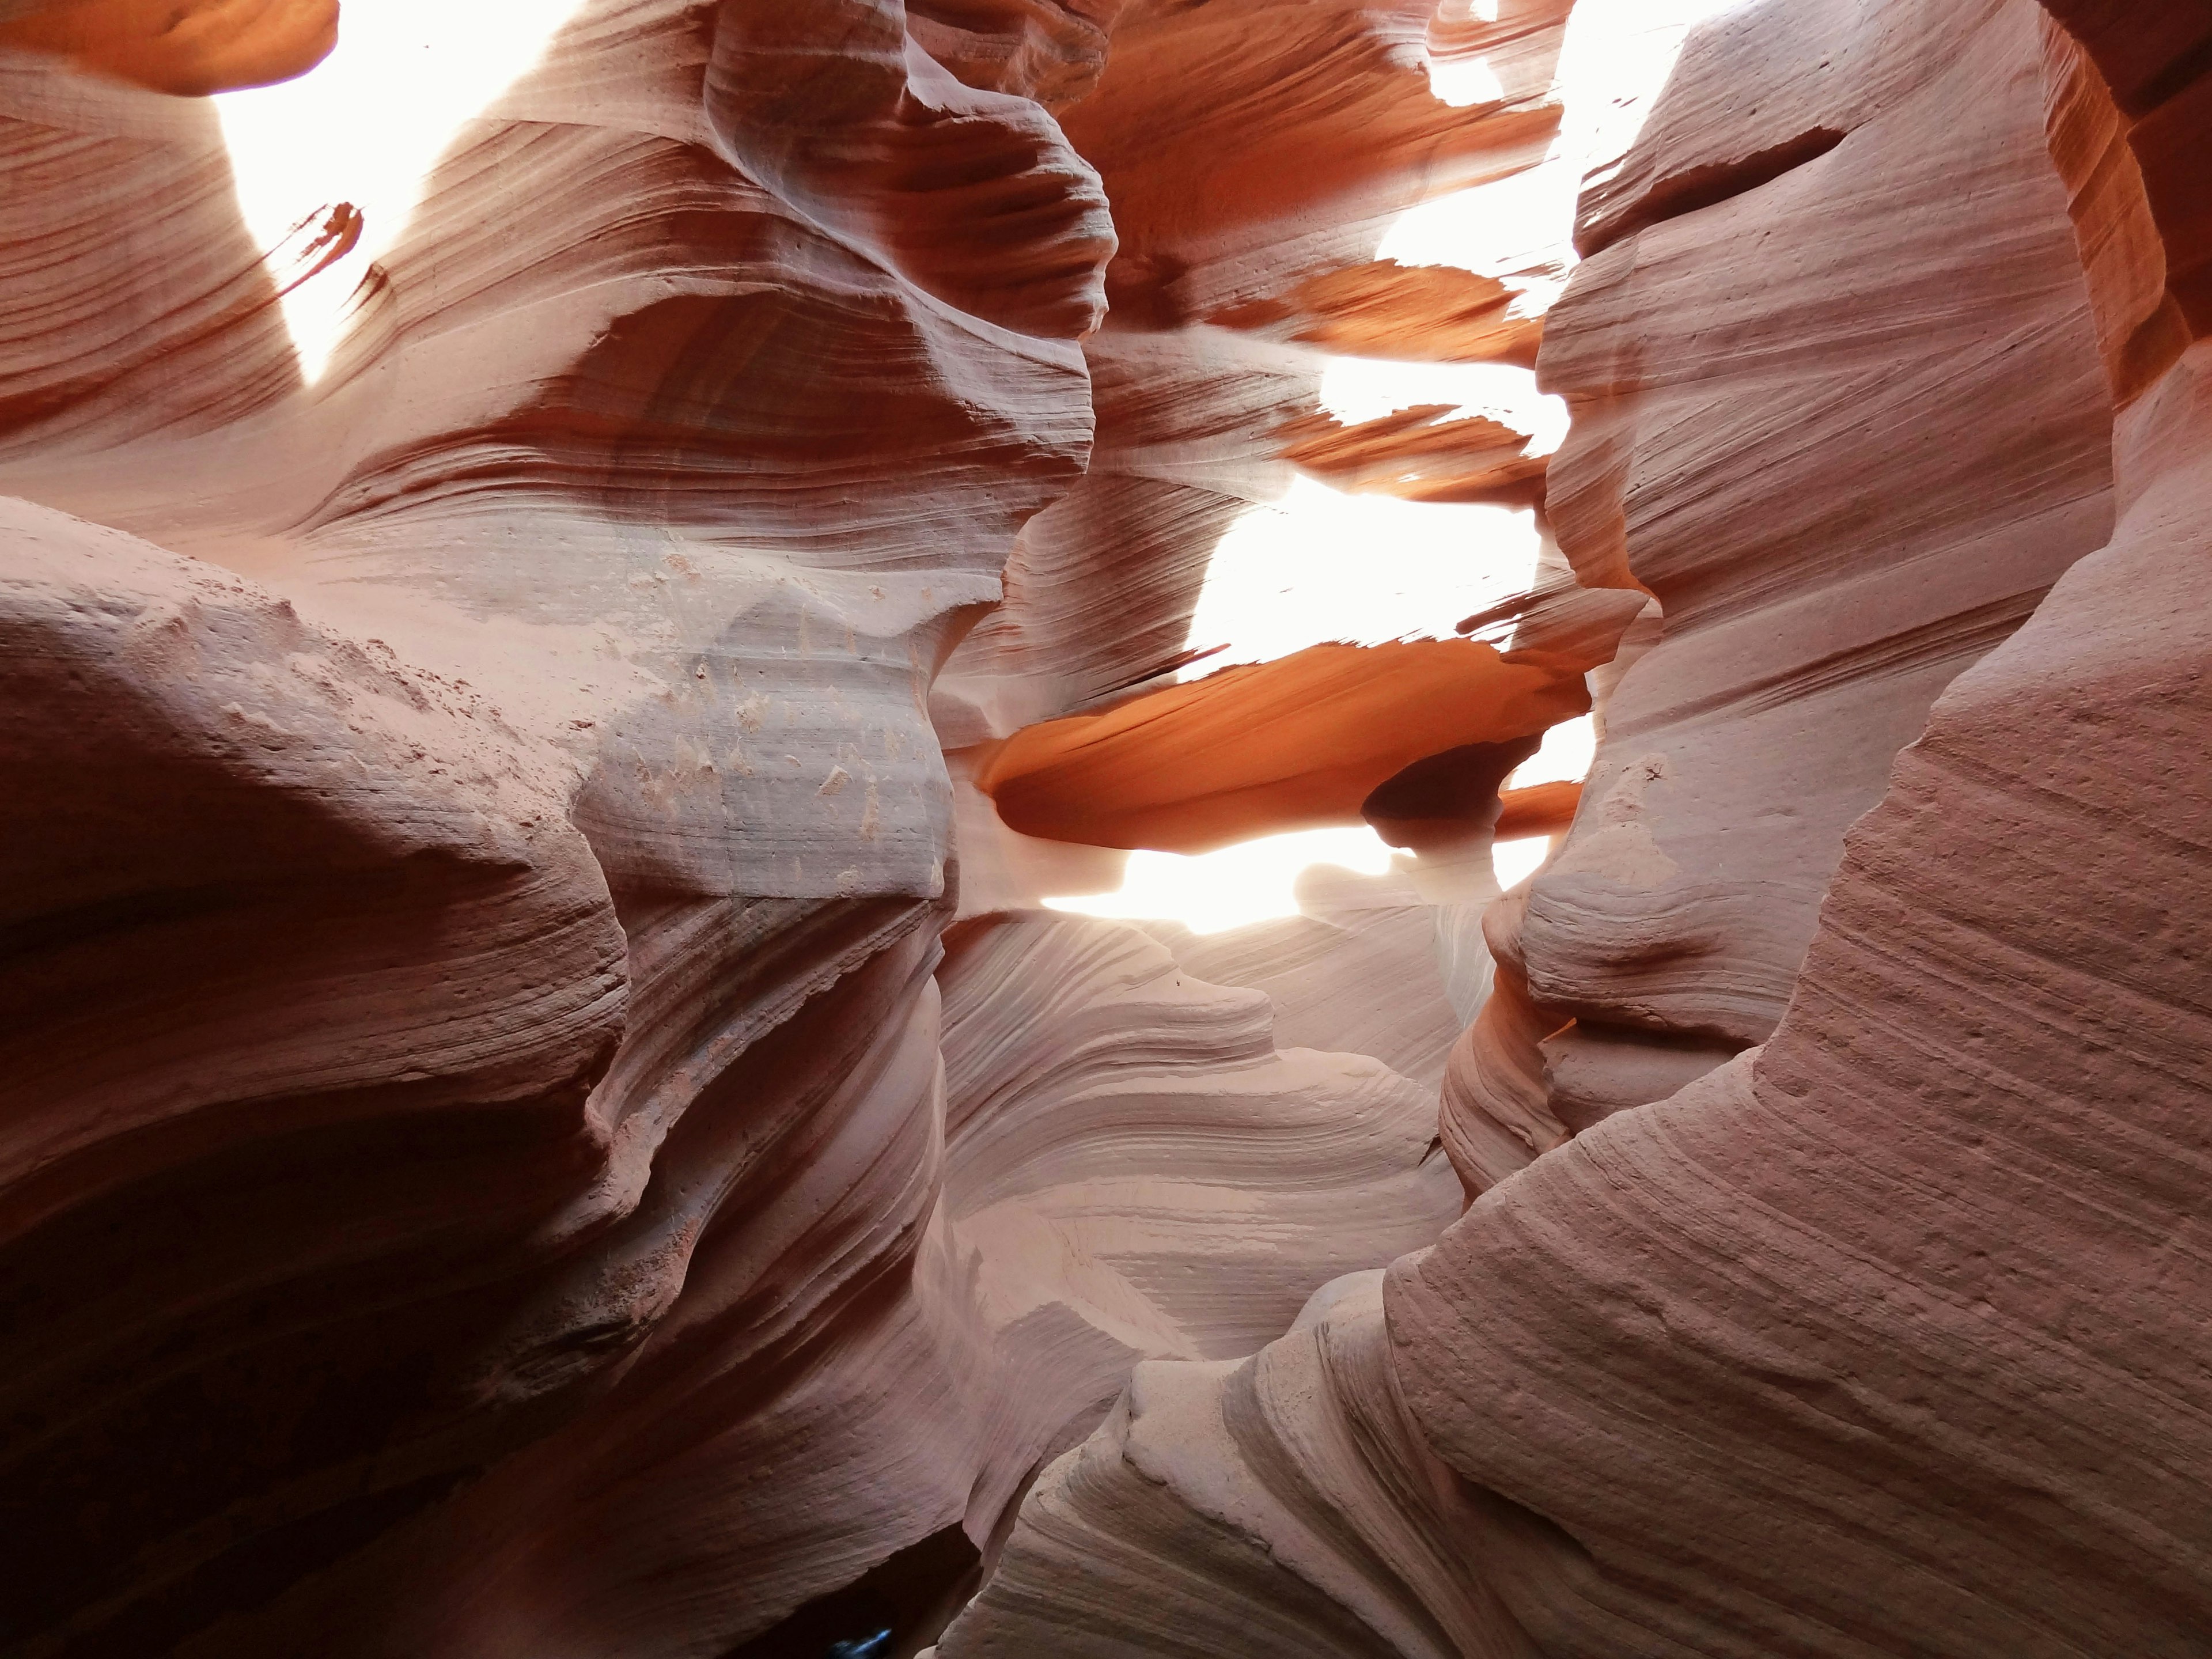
(364, 128)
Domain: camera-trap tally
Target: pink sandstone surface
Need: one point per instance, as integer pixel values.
(545, 1114)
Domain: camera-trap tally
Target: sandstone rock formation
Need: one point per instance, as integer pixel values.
(1804, 1359)
(543, 1115)
(1849, 561)
(554, 769)
(1303, 741)
(192, 49)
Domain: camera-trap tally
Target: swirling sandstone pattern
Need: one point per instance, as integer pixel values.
(521, 1136)
(493, 785)
(1860, 1383)
(1886, 1334)
(1233, 280)
(554, 867)
(1754, 378)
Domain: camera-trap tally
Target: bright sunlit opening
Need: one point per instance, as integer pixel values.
(1320, 564)
(1233, 886)
(1514, 228)
(1514, 861)
(1324, 564)
(1357, 389)
(1463, 82)
(366, 126)
(1565, 757)
(1617, 58)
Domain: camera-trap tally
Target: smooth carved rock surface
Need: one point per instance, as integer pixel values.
(190, 49)
(1751, 381)
(1857, 1380)
(921, 1259)
(493, 780)
(2155, 59)
(1125, 1140)
(1338, 973)
(1809, 1358)
(553, 774)
(1283, 1503)
(517, 1141)
(370, 974)
(971, 194)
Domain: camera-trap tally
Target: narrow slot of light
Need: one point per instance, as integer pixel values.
(1568, 749)
(1514, 861)
(1253, 881)
(1324, 564)
(1616, 59)
(1463, 83)
(364, 128)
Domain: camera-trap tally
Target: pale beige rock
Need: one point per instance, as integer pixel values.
(1281, 1504)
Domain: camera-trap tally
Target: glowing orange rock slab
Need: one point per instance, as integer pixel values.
(1290, 744)
(187, 47)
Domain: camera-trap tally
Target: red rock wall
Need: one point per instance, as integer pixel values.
(492, 788)
(524, 1204)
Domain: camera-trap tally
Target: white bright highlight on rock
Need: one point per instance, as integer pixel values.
(367, 125)
(1569, 749)
(1357, 389)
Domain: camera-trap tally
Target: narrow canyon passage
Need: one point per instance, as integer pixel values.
(1011, 828)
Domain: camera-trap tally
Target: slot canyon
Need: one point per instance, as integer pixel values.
(1089, 829)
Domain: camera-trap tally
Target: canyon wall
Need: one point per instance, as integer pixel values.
(544, 1113)
(1882, 1335)
(500, 1157)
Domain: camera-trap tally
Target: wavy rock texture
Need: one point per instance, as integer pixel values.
(1753, 380)
(1126, 1140)
(261, 1234)
(1856, 1384)
(1806, 1358)
(1280, 1504)
(547, 845)
(2154, 60)
(529, 1214)
(1234, 280)
(519, 1139)
(1341, 973)
(1235, 287)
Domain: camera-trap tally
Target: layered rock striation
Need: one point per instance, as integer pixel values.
(1754, 378)
(543, 1115)
(1809, 1357)
(544, 1197)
